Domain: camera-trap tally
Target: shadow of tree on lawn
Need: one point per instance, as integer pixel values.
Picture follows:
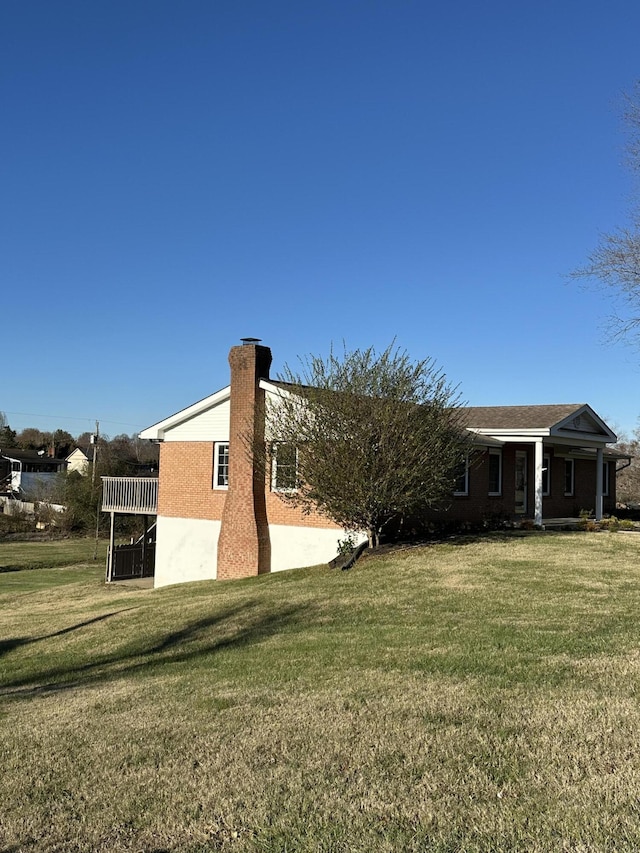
(12, 643)
(234, 627)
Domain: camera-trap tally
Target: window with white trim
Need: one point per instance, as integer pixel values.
(461, 486)
(546, 475)
(284, 468)
(221, 465)
(495, 472)
(569, 477)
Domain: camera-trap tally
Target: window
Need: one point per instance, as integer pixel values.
(284, 468)
(546, 475)
(605, 479)
(568, 477)
(495, 472)
(221, 465)
(461, 486)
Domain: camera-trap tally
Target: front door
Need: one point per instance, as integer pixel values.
(521, 482)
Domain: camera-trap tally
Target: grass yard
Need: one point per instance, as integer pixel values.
(16, 556)
(472, 696)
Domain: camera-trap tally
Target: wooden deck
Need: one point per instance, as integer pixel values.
(130, 495)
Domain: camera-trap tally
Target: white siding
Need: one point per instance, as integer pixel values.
(583, 423)
(186, 550)
(77, 461)
(210, 425)
(273, 404)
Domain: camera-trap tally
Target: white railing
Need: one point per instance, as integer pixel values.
(135, 495)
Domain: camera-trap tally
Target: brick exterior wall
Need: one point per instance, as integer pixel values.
(559, 505)
(185, 486)
(478, 505)
(280, 511)
(243, 546)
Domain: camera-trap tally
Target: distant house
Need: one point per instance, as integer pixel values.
(28, 472)
(79, 460)
(217, 518)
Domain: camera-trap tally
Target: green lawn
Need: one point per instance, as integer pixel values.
(472, 696)
(44, 555)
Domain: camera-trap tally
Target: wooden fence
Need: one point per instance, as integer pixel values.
(133, 561)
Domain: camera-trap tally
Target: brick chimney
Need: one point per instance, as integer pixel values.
(244, 548)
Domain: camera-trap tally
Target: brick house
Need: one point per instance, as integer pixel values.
(548, 462)
(217, 517)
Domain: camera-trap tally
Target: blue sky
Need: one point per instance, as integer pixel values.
(176, 176)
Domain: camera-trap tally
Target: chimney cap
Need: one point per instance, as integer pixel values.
(248, 341)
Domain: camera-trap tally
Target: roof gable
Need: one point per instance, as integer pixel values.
(575, 421)
(584, 422)
(192, 419)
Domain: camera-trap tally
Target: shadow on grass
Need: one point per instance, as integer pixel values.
(232, 628)
(12, 643)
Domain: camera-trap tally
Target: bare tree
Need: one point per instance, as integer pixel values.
(628, 477)
(365, 438)
(32, 438)
(616, 260)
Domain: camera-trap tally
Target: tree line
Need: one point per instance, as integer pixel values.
(121, 451)
(79, 493)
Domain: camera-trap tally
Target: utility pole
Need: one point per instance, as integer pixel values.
(94, 442)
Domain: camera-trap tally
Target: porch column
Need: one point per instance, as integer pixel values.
(537, 481)
(112, 541)
(599, 483)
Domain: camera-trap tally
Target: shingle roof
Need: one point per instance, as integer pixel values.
(517, 417)
(504, 417)
(28, 455)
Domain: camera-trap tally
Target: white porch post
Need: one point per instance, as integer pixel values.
(110, 551)
(537, 480)
(599, 483)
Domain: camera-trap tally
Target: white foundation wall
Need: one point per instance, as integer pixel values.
(295, 547)
(186, 550)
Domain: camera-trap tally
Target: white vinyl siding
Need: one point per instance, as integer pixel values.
(204, 426)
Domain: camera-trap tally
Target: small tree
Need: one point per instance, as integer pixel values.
(366, 438)
(62, 443)
(81, 500)
(8, 436)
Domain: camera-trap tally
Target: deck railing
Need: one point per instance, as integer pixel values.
(134, 495)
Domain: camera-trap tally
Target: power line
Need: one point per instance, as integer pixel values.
(68, 418)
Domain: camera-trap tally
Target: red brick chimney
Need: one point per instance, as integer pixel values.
(244, 548)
